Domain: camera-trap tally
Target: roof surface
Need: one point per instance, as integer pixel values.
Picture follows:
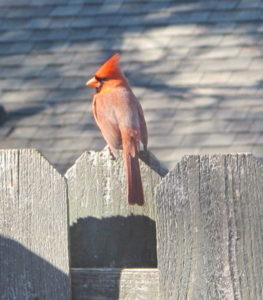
(196, 67)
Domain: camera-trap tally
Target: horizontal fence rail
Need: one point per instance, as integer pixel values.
(206, 214)
(115, 284)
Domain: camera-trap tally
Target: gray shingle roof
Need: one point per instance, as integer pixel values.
(196, 66)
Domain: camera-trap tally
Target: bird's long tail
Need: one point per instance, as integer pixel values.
(131, 161)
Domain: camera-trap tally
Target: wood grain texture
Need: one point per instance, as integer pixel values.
(209, 229)
(113, 284)
(34, 260)
(105, 230)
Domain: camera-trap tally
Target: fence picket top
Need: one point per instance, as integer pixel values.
(209, 224)
(33, 227)
(98, 185)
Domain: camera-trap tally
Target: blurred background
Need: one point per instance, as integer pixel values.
(196, 67)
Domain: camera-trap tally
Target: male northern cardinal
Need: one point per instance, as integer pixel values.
(120, 118)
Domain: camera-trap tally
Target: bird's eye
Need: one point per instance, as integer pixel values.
(101, 79)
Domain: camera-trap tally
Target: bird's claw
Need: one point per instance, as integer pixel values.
(107, 148)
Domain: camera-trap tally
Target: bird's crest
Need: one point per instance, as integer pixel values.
(110, 68)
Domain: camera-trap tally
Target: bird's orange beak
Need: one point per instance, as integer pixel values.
(93, 82)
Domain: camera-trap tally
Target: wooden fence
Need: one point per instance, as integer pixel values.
(76, 236)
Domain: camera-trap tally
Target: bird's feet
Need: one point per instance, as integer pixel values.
(107, 148)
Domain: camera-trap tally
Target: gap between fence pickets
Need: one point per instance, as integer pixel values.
(116, 282)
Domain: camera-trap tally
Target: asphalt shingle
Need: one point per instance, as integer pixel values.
(195, 66)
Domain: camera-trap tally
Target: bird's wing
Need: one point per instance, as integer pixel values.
(143, 127)
(104, 116)
(136, 106)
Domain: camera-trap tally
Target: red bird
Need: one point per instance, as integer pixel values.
(120, 118)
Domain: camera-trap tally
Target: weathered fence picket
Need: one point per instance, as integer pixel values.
(105, 230)
(209, 229)
(34, 262)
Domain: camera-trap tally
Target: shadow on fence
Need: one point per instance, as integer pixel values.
(114, 242)
(25, 275)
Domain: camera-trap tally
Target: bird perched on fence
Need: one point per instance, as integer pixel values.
(120, 118)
